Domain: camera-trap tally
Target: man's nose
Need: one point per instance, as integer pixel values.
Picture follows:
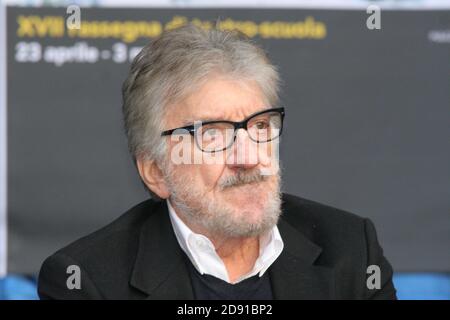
(244, 152)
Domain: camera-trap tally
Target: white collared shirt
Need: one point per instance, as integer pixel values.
(202, 254)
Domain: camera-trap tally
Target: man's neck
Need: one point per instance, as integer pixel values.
(238, 254)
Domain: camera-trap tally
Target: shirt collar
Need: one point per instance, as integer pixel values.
(202, 254)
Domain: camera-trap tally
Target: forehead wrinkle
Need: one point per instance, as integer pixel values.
(208, 117)
(198, 109)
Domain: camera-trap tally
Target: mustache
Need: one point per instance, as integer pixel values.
(242, 177)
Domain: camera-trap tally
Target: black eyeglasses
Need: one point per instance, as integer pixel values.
(219, 135)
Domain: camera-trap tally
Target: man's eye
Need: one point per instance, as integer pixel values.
(260, 125)
(211, 133)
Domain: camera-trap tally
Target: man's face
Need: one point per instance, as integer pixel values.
(237, 194)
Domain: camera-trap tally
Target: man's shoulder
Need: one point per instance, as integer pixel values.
(323, 224)
(348, 245)
(109, 251)
(298, 208)
(119, 239)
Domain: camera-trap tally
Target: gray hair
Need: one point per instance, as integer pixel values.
(170, 68)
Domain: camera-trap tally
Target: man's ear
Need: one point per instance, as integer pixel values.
(152, 176)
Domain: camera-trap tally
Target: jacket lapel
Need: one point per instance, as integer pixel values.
(160, 270)
(293, 274)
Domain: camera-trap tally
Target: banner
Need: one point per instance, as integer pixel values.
(367, 120)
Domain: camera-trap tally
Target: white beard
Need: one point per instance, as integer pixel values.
(221, 218)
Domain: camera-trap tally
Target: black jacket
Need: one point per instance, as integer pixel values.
(326, 255)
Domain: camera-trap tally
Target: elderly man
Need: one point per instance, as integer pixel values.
(203, 125)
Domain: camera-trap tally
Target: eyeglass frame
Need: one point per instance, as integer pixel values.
(237, 125)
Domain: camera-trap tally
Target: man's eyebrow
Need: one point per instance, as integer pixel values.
(191, 121)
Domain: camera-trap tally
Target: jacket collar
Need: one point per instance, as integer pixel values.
(160, 270)
(294, 275)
